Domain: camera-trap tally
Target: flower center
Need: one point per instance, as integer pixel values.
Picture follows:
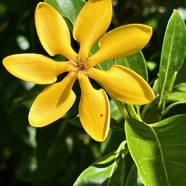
(79, 66)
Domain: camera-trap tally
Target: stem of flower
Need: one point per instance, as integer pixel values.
(121, 108)
(133, 112)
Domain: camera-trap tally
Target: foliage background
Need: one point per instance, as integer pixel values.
(57, 154)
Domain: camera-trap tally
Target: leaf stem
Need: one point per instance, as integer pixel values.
(121, 108)
(133, 112)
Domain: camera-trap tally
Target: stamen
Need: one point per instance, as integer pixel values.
(79, 67)
(82, 71)
(74, 63)
(78, 58)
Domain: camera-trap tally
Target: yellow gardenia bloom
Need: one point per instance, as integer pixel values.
(120, 82)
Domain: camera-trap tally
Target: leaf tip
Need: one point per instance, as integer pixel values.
(174, 11)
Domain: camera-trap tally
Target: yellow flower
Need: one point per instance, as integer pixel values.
(120, 82)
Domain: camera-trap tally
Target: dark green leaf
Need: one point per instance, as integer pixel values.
(109, 171)
(50, 154)
(133, 178)
(105, 65)
(67, 8)
(135, 62)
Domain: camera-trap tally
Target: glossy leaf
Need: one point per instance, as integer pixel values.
(181, 77)
(67, 8)
(173, 52)
(109, 170)
(178, 93)
(106, 65)
(135, 62)
(159, 150)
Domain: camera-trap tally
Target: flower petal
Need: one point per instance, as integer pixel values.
(124, 84)
(121, 42)
(92, 21)
(94, 110)
(53, 102)
(53, 32)
(35, 68)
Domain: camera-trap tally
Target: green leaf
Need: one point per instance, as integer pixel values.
(173, 53)
(109, 170)
(67, 8)
(135, 62)
(159, 150)
(181, 77)
(50, 154)
(167, 109)
(105, 65)
(115, 113)
(133, 178)
(178, 93)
